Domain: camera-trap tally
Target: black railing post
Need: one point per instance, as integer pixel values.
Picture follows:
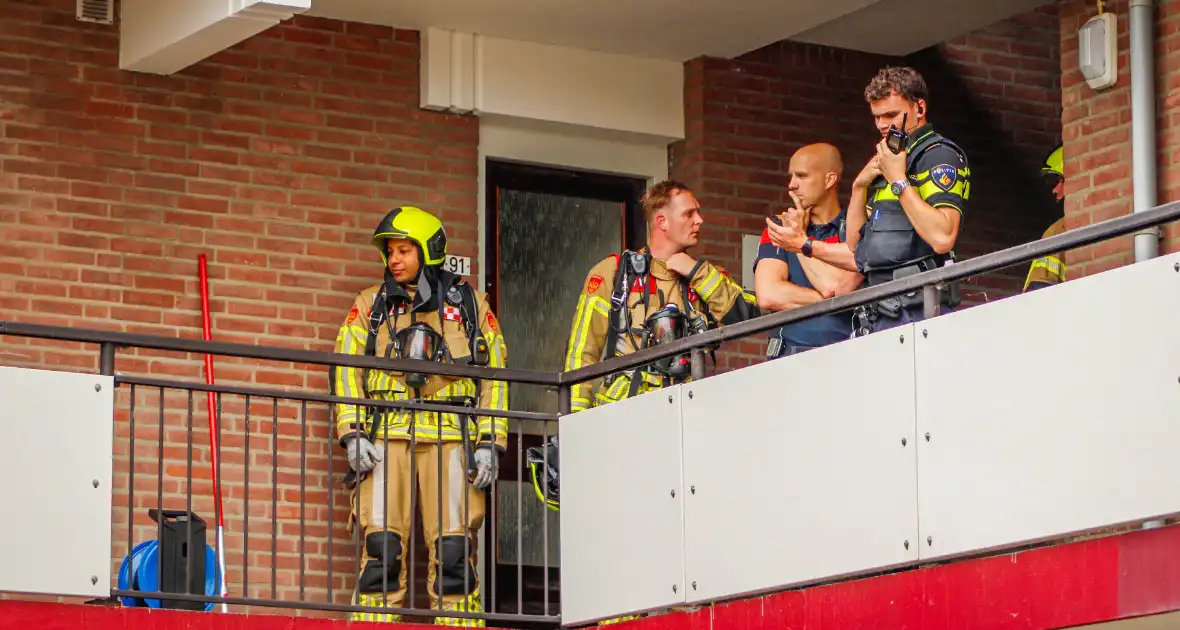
(930, 301)
(564, 399)
(106, 358)
(697, 364)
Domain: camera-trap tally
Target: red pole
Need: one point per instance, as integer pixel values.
(214, 422)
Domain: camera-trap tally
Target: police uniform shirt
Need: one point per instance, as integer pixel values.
(941, 178)
(816, 331)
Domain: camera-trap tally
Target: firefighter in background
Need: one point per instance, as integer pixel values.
(420, 311)
(1050, 269)
(640, 299)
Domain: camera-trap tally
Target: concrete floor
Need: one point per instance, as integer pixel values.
(1167, 621)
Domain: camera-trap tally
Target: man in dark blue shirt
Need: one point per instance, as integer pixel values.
(784, 279)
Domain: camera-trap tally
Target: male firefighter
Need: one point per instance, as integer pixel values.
(639, 299)
(907, 202)
(1050, 269)
(420, 311)
(784, 279)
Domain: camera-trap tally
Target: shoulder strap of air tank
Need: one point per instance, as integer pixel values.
(617, 301)
(469, 312)
(377, 316)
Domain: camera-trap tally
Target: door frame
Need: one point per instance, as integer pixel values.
(520, 175)
(555, 180)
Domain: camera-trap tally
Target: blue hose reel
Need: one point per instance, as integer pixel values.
(144, 570)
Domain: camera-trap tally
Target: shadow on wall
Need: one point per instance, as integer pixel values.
(1010, 203)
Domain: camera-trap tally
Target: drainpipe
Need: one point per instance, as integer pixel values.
(1143, 133)
(1143, 126)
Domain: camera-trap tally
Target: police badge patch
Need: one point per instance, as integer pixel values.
(944, 176)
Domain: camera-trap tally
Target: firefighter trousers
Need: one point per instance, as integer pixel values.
(382, 508)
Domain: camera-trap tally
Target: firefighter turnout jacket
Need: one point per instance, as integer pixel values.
(1049, 269)
(451, 322)
(709, 290)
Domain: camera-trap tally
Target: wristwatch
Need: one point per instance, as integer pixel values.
(899, 186)
(806, 249)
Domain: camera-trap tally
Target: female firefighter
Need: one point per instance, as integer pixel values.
(443, 460)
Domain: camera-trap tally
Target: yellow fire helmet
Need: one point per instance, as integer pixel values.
(417, 225)
(1055, 163)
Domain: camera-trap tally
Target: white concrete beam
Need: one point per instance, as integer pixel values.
(165, 36)
(541, 83)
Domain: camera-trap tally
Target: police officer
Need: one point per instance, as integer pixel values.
(1050, 269)
(786, 276)
(635, 300)
(420, 311)
(907, 202)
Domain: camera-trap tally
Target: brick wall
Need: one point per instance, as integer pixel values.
(275, 158)
(994, 91)
(744, 118)
(1097, 134)
(997, 93)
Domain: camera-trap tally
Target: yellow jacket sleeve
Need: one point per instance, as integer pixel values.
(493, 394)
(726, 299)
(1049, 269)
(349, 381)
(588, 333)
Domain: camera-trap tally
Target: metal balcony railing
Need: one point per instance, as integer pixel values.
(285, 460)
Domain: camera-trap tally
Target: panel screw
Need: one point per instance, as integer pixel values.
(693, 489)
(924, 333)
(927, 437)
(901, 339)
(929, 540)
(903, 441)
(669, 400)
(97, 387)
(694, 585)
(907, 544)
(690, 394)
(673, 493)
(95, 483)
(94, 579)
(673, 588)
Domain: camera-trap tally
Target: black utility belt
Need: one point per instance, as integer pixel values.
(892, 307)
(888, 275)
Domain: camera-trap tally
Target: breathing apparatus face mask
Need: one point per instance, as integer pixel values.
(545, 470)
(418, 341)
(665, 326)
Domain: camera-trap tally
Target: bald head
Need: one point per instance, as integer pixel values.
(821, 157)
(815, 174)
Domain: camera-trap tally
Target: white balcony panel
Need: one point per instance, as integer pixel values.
(1051, 413)
(55, 460)
(622, 520)
(793, 477)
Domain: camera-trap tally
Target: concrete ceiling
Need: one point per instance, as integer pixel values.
(678, 30)
(927, 22)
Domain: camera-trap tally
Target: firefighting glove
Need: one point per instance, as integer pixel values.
(362, 455)
(487, 466)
